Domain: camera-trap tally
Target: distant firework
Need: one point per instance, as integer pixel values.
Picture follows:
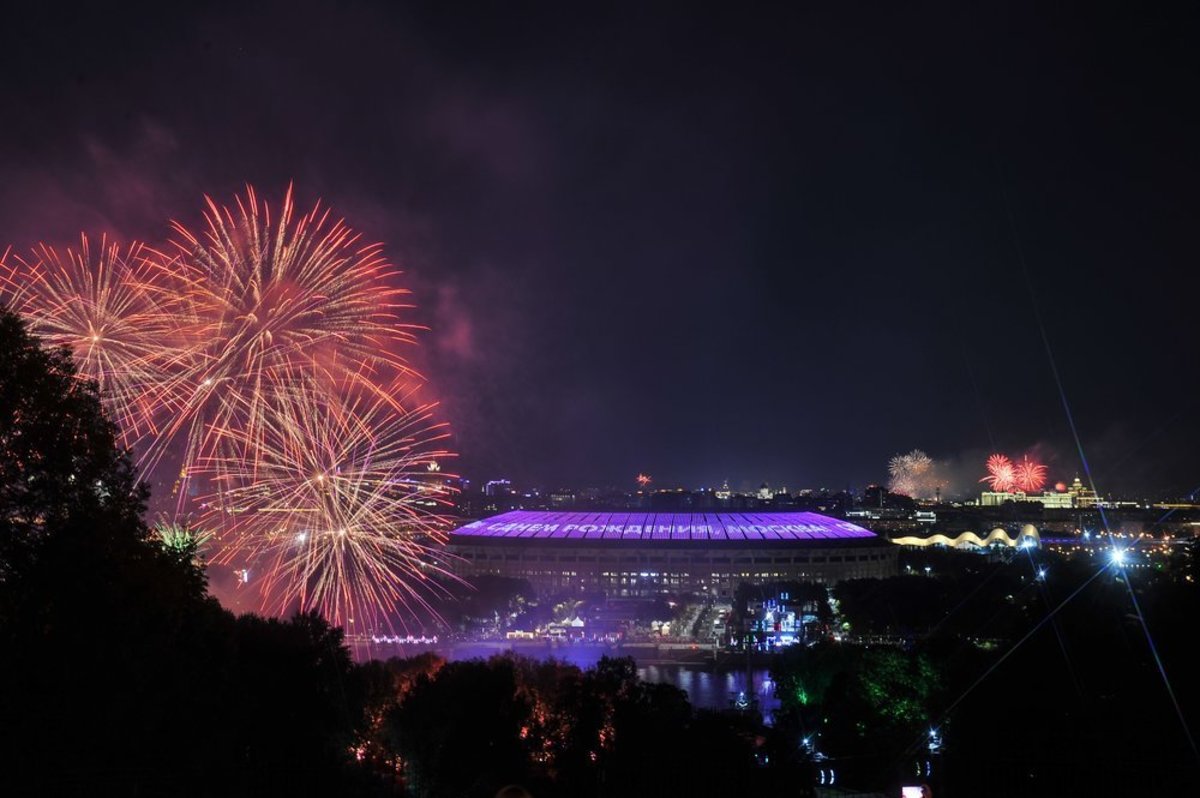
(643, 480)
(1030, 475)
(1002, 475)
(255, 349)
(914, 474)
(1027, 476)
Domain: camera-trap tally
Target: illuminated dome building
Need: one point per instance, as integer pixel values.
(642, 554)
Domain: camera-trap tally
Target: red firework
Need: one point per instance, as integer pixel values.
(1002, 474)
(97, 301)
(266, 351)
(1030, 475)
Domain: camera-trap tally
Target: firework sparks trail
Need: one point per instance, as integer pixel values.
(1002, 474)
(265, 352)
(1029, 475)
(269, 305)
(99, 303)
(350, 522)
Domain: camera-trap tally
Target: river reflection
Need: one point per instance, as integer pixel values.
(712, 689)
(706, 686)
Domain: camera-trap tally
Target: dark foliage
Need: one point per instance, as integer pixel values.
(58, 454)
(123, 676)
(470, 728)
(120, 674)
(1028, 701)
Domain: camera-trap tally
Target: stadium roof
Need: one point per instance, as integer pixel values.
(663, 527)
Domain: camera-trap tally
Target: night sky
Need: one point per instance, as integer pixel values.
(751, 244)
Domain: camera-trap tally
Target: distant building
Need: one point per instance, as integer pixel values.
(1084, 496)
(497, 488)
(1049, 499)
(1056, 501)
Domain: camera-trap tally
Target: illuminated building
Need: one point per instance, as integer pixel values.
(777, 621)
(1027, 537)
(497, 487)
(642, 554)
(1084, 496)
(1048, 499)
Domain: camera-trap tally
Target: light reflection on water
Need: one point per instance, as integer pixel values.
(712, 689)
(707, 687)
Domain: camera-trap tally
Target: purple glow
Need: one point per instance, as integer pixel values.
(664, 526)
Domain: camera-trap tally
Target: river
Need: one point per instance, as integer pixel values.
(707, 686)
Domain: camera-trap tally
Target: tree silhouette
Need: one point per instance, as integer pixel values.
(59, 459)
(120, 674)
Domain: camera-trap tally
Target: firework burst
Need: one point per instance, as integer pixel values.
(1029, 476)
(99, 303)
(1002, 474)
(264, 352)
(914, 474)
(340, 511)
(268, 305)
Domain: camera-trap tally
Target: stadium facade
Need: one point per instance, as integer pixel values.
(647, 554)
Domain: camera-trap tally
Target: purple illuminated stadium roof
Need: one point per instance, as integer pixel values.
(663, 526)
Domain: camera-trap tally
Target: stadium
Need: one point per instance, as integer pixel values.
(646, 554)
